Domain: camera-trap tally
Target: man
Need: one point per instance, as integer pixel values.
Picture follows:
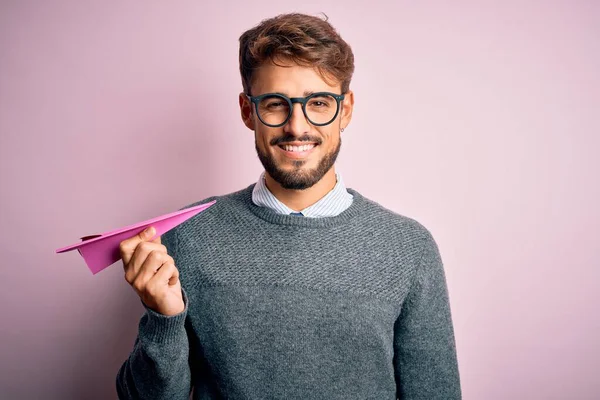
(294, 287)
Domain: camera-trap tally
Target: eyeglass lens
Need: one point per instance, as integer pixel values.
(274, 109)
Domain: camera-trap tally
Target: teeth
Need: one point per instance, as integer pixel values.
(305, 147)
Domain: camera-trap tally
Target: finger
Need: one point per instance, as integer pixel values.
(157, 240)
(166, 275)
(127, 247)
(156, 287)
(139, 257)
(174, 276)
(153, 263)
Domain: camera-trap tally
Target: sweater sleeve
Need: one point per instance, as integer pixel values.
(158, 366)
(425, 359)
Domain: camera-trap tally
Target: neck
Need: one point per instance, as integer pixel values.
(298, 200)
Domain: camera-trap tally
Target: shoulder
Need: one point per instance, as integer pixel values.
(410, 239)
(401, 227)
(221, 214)
(224, 206)
(225, 202)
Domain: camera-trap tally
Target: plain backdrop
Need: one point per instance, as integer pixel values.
(477, 118)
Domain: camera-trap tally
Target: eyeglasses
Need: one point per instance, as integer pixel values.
(275, 110)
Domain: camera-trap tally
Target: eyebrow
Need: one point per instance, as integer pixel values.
(306, 93)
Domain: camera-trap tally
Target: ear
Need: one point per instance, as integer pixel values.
(347, 106)
(246, 111)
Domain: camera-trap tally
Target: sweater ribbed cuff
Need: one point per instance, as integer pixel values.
(160, 328)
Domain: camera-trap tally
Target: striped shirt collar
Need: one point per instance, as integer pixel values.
(332, 204)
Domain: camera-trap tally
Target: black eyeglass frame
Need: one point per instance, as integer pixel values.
(292, 100)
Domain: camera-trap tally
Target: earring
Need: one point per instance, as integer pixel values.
(342, 130)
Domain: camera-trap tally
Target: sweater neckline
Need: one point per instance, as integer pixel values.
(273, 217)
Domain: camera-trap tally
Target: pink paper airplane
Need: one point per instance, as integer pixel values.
(100, 251)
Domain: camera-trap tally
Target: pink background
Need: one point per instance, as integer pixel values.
(480, 120)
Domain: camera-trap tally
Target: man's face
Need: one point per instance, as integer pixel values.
(298, 154)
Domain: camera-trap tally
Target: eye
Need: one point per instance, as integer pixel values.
(320, 102)
(274, 103)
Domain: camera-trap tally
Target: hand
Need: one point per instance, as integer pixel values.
(152, 272)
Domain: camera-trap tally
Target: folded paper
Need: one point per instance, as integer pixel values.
(102, 250)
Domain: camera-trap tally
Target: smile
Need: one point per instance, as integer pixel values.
(297, 151)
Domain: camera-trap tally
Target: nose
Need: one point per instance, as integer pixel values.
(297, 125)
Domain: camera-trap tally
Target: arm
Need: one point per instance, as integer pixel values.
(424, 346)
(158, 366)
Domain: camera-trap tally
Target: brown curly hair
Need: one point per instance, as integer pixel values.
(305, 40)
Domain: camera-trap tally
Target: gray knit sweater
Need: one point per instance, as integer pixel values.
(282, 307)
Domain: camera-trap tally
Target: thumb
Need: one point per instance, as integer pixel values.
(128, 246)
(147, 233)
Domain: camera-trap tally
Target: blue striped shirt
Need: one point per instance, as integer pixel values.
(332, 204)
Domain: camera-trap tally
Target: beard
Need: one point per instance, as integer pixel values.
(298, 178)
